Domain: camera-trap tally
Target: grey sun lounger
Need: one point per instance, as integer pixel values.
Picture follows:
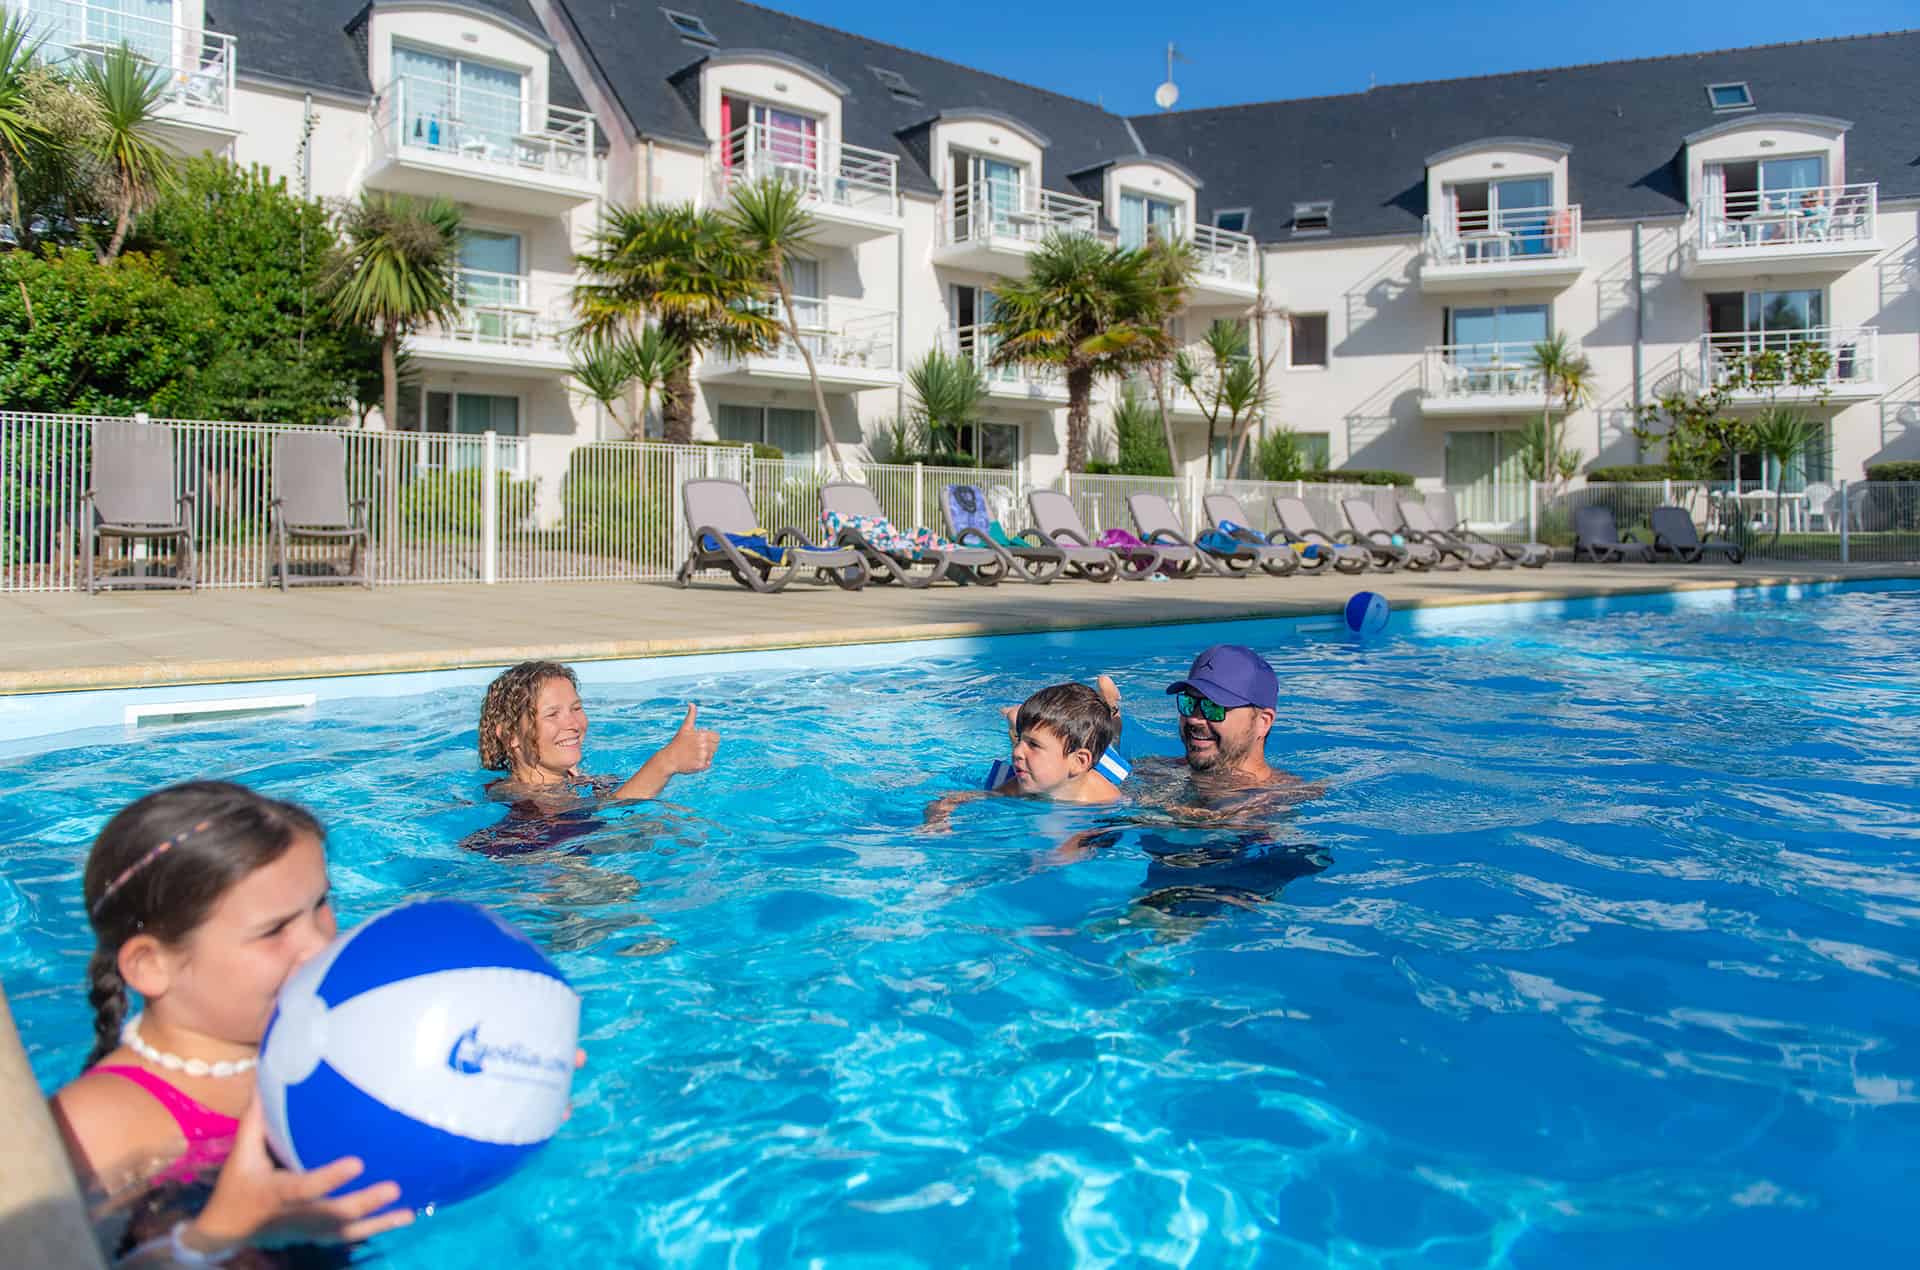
(1674, 534)
(310, 504)
(716, 508)
(1154, 521)
(130, 495)
(1054, 516)
(1528, 555)
(1418, 526)
(970, 523)
(1597, 538)
(1277, 555)
(1371, 532)
(955, 564)
(1298, 528)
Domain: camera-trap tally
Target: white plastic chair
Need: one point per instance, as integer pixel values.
(1818, 495)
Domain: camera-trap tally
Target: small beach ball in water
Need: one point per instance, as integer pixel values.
(1367, 613)
(434, 1041)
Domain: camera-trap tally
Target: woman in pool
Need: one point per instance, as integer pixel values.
(533, 727)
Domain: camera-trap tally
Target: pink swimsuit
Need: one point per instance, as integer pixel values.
(209, 1134)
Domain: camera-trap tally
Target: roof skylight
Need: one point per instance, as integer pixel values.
(1313, 218)
(1730, 96)
(895, 83)
(690, 26)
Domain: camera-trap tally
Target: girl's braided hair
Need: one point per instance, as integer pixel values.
(160, 866)
(507, 713)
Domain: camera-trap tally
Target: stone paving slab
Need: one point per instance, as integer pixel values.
(66, 641)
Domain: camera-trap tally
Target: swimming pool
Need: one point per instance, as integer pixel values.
(1602, 949)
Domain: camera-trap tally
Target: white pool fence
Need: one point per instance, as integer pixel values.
(486, 508)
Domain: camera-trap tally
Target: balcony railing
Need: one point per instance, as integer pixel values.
(838, 334)
(506, 311)
(1003, 211)
(486, 131)
(978, 342)
(1513, 235)
(1499, 370)
(1833, 215)
(1219, 255)
(866, 179)
(198, 64)
(1762, 361)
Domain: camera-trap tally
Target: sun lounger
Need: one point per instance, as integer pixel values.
(1674, 534)
(895, 557)
(310, 504)
(1277, 556)
(131, 496)
(1298, 528)
(1157, 526)
(1417, 524)
(1528, 555)
(970, 523)
(1598, 538)
(1054, 516)
(716, 508)
(1371, 532)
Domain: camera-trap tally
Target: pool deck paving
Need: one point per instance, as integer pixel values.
(62, 641)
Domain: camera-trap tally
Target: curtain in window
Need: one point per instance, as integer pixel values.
(790, 430)
(475, 413)
(1163, 218)
(491, 115)
(425, 84)
(738, 423)
(788, 140)
(490, 268)
(1133, 220)
(1003, 190)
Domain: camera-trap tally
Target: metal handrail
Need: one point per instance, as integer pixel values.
(755, 150)
(835, 332)
(1223, 254)
(1853, 351)
(1504, 236)
(977, 341)
(984, 211)
(1496, 369)
(1785, 218)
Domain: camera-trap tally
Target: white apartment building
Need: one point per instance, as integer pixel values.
(1410, 242)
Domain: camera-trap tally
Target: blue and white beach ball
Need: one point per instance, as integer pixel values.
(434, 1041)
(1367, 613)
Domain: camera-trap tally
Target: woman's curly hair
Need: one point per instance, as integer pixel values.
(507, 713)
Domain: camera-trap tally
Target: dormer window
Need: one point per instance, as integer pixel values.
(1313, 218)
(1513, 216)
(690, 27)
(1730, 97)
(450, 103)
(763, 140)
(1144, 219)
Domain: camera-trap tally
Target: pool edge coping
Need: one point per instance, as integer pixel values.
(330, 666)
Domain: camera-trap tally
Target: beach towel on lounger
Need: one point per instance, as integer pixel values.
(753, 546)
(884, 536)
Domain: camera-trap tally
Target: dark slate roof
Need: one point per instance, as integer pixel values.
(638, 52)
(1625, 122)
(318, 43)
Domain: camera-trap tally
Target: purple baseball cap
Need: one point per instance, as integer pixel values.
(1232, 675)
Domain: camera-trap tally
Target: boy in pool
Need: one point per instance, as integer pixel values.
(1059, 734)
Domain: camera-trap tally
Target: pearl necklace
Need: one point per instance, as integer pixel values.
(131, 1038)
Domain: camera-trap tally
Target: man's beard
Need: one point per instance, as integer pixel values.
(1222, 755)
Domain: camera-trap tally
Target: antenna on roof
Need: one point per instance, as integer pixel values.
(1169, 93)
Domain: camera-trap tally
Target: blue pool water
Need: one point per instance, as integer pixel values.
(1602, 949)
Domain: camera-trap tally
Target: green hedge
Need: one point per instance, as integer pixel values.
(620, 504)
(1902, 470)
(759, 451)
(1360, 476)
(438, 501)
(1626, 473)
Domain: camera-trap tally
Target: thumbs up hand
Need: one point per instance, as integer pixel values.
(692, 747)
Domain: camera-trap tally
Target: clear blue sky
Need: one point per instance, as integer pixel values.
(1115, 51)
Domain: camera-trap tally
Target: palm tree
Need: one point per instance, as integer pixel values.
(690, 272)
(1226, 380)
(769, 216)
(394, 274)
(607, 368)
(1094, 310)
(1567, 376)
(126, 92)
(1783, 435)
(947, 388)
(20, 129)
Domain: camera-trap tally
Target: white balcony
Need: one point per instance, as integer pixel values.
(1509, 247)
(1819, 229)
(852, 192)
(481, 148)
(507, 324)
(1226, 265)
(852, 346)
(993, 226)
(1481, 379)
(1013, 383)
(1753, 364)
(1182, 405)
(196, 106)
